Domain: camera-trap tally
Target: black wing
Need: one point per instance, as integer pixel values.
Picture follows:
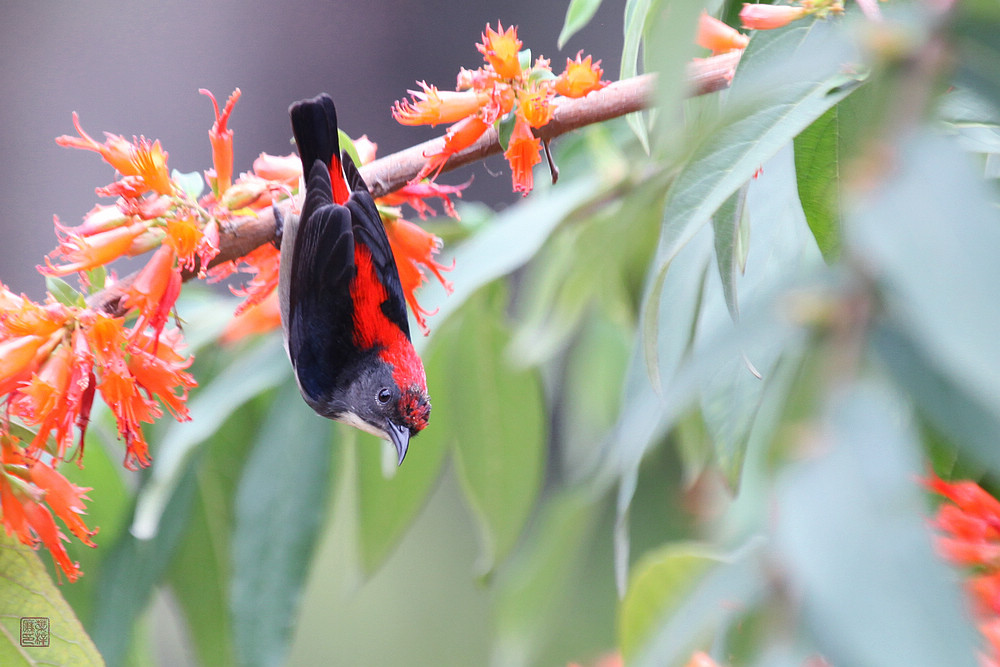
(370, 232)
(320, 310)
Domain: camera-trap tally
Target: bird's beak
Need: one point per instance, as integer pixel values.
(400, 436)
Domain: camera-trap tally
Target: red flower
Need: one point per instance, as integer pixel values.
(500, 48)
(286, 169)
(536, 104)
(221, 139)
(120, 391)
(415, 195)
(581, 77)
(24, 485)
(155, 290)
(144, 162)
(261, 317)
(412, 247)
(432, 106)
(769, 17)
(263, 264)
(522, 154)
(718, 37)
(86, 252)
(459, 136)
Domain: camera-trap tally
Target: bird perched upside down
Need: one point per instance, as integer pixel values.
(343, 313)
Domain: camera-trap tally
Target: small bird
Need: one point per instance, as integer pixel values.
(343, 313)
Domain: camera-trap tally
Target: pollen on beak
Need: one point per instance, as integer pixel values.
(400, 436)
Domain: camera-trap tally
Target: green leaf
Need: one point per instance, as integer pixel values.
(63, 291)
(963, 418)
(108, 511)
(817, 169)
(27, 592)
(636, 12)
(524, 59)
(851, 526)
(97, 277)
(191, 183)
(281, 503)
(731, 228)
(578, 15)
(251, 374)
(666, 615)
(347, 144)
(930, 234)
(498, 417)
(131, 570)
(786, 80)
(530, 591)
(592, 393)
(659, 584)
(202, 567)
(509, 241)
(505, 128)
(390, 497)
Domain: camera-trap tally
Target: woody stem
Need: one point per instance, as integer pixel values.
(241, 235)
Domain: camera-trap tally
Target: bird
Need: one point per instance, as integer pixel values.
(343, 312)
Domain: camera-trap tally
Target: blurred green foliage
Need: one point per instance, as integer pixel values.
(682, 400)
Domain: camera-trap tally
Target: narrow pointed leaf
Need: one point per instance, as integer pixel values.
(817, 170)
(578, 15)
(499, 459)
(281, 502)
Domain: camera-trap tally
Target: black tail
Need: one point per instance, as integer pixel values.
(314, 124)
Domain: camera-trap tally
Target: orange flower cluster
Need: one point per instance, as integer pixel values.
(508, 92)
(769, 17)
(412, 247)
(31, 490)
(969, 529)
(55, 357)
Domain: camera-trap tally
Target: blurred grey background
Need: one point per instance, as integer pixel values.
(135, 69)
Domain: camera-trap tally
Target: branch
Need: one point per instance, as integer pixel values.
(241, 235)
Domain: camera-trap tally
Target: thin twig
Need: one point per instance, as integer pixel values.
(241, 235)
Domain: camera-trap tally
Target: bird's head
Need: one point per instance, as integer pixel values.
(386, 404)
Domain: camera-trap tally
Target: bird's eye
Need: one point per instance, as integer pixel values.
(384, 395)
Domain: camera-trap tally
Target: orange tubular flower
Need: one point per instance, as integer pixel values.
(432, 106)
(412, 247)
(262, 264)
(459, 136)
(581, 77)
(160, 371)
(718, 37)
(151, 162)
(121, 392)
(286, 169)
(184, 237)
(769, 17)
(155, 290)
(970, 536)
(259, 318)
(116, 150)
(414, 194)
(536, 105)
(43, 401)
(500, 48)
(221, 139)
(522, 154)
(65, 499)
(86, 252)
(17, 360)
